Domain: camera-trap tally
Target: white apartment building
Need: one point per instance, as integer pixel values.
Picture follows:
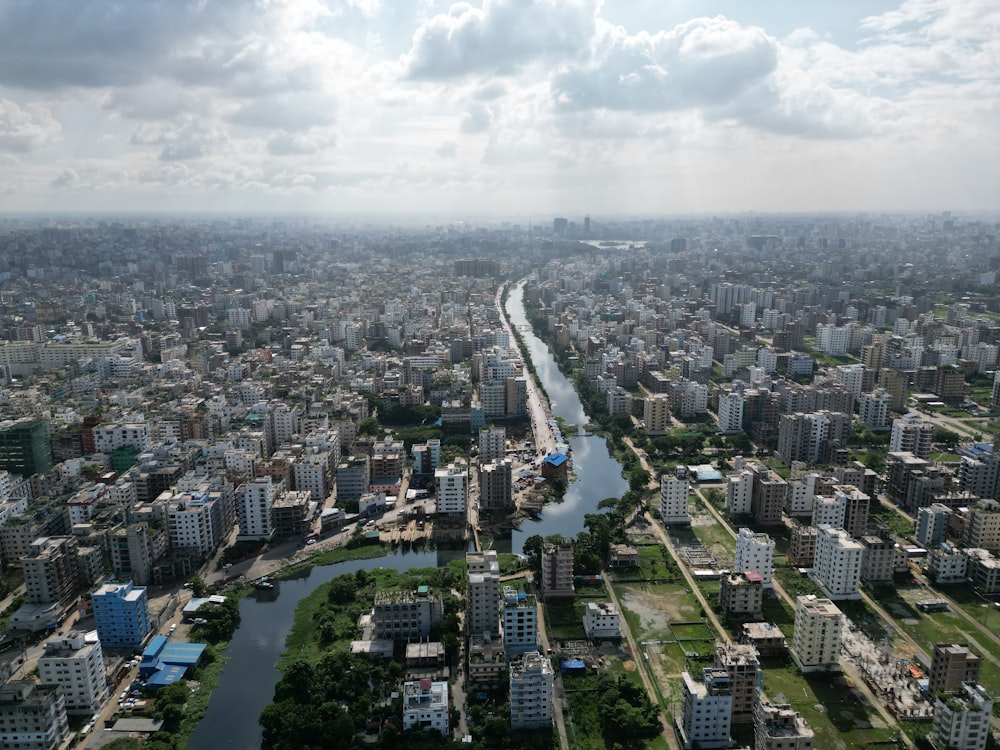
(947, 564)
(452, 489)
(816, 635)
(911, 434)
(483, 593)
(189, 518)
(755, 552)
(313, 473)
(739, 493)
(425, 706)
(520, 622)
(254, 507)
(75, 663)
(962, 721)
(601, 620)
(492, 444)
(706, 709)
(829, 510)
(730, 415)
(531, 681)
(674, 500)
(32, 716)
(800, 496)
(851, 377)
(831, 339)
(135, 435)
(837, 568)
(873, 410)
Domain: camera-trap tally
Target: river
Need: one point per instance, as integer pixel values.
(247, 684)
(598, 473)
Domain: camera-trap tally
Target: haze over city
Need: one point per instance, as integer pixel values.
(499, 106)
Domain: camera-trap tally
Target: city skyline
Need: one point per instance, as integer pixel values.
(557, 107)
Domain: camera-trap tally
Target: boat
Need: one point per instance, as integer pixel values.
(263, 583)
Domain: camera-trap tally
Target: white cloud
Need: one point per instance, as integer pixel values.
(500, 37)
(26, 129)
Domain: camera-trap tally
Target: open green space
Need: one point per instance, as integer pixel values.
(564, 618)
(834, 711)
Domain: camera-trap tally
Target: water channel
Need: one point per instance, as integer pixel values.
(247, 684)
(598, 474)
(266, 617)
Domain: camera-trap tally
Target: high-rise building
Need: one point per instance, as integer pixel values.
(656, 414)
(706, 709)
(495, 485)
(816, 634)
(75, 663)
(674, 500)
(873, 410)
(755, 552)
(452, 489)
(531, 682)
(256, 499)
(32, 717)
(492, 444)
(483, 617)
(912, 434)
(981, 475)
(962, 721)
(837, 568)
(739, 493)
(52, 573)
(768, 497)
(932, 523)
(811, 437)
(25, 447)
(121, 614)
(557, 569)
(520, 622)
(745, 678)
(730, 414)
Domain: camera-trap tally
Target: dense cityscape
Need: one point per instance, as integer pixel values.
(586, 482)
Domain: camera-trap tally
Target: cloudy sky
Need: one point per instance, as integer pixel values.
(513, 107)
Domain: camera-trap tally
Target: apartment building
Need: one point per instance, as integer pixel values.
(674, 500)
(483, 593)
(121, 614)
(531, 681)
(755, 552)
(816, 634)
(520, 622)
(962, 720)
(32, 716)
(75, 663)
(425, 706)
(780, 727)
(602, 620)
(706, 709)
(837, 568)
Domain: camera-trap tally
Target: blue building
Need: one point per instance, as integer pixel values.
(121, 612)
(165, 662)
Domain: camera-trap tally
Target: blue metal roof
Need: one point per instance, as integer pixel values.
(556, 459)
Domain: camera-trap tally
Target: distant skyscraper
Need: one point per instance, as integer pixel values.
(586, 225)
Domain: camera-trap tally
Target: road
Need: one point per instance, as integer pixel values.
(538, 408)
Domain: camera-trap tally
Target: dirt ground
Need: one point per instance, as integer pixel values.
(655, 610)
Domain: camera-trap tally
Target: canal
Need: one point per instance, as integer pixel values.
(597, 473)
(266, 617)
(247, 684)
